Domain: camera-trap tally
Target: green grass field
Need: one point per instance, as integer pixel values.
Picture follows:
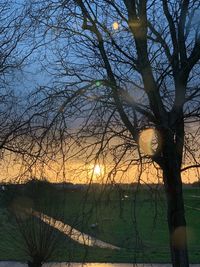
(134, 222)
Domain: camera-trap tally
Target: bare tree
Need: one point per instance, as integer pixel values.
(35, 236)
(122, 67)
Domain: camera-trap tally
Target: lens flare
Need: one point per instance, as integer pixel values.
(98, 83)
(22, 207)
(115, 25)
(179, 237)
(148, 141)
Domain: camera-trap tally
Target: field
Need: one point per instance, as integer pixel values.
(135, 222)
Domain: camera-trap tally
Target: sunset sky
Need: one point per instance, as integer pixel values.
(76, 171)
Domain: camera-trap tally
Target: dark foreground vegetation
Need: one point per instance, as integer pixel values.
(133, 221)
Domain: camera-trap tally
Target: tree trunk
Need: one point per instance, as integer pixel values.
(35, 263)
(175, 204)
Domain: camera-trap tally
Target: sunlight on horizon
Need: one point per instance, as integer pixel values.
(79, 172)
(98, 170)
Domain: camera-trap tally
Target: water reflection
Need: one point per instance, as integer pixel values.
(18, 264)
(73, 233)
(107, 265)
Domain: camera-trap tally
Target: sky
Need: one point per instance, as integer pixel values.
(34, 74)
(76, 171)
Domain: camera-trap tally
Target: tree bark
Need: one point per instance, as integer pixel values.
(175, 203)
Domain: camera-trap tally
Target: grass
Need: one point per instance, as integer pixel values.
(140, 229)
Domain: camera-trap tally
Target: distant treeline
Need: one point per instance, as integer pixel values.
(73, 186)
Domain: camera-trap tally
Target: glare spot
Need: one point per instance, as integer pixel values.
(62, 108)
(98, 83)
(93, 97)
(148, 141)
(115, 25)
(21, 207)
(179, 237)
(135, 24)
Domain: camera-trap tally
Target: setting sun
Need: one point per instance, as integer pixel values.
(97, 170)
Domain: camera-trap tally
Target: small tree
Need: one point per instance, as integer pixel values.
(38, 240)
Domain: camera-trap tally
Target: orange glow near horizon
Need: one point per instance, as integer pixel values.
(77, 171)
